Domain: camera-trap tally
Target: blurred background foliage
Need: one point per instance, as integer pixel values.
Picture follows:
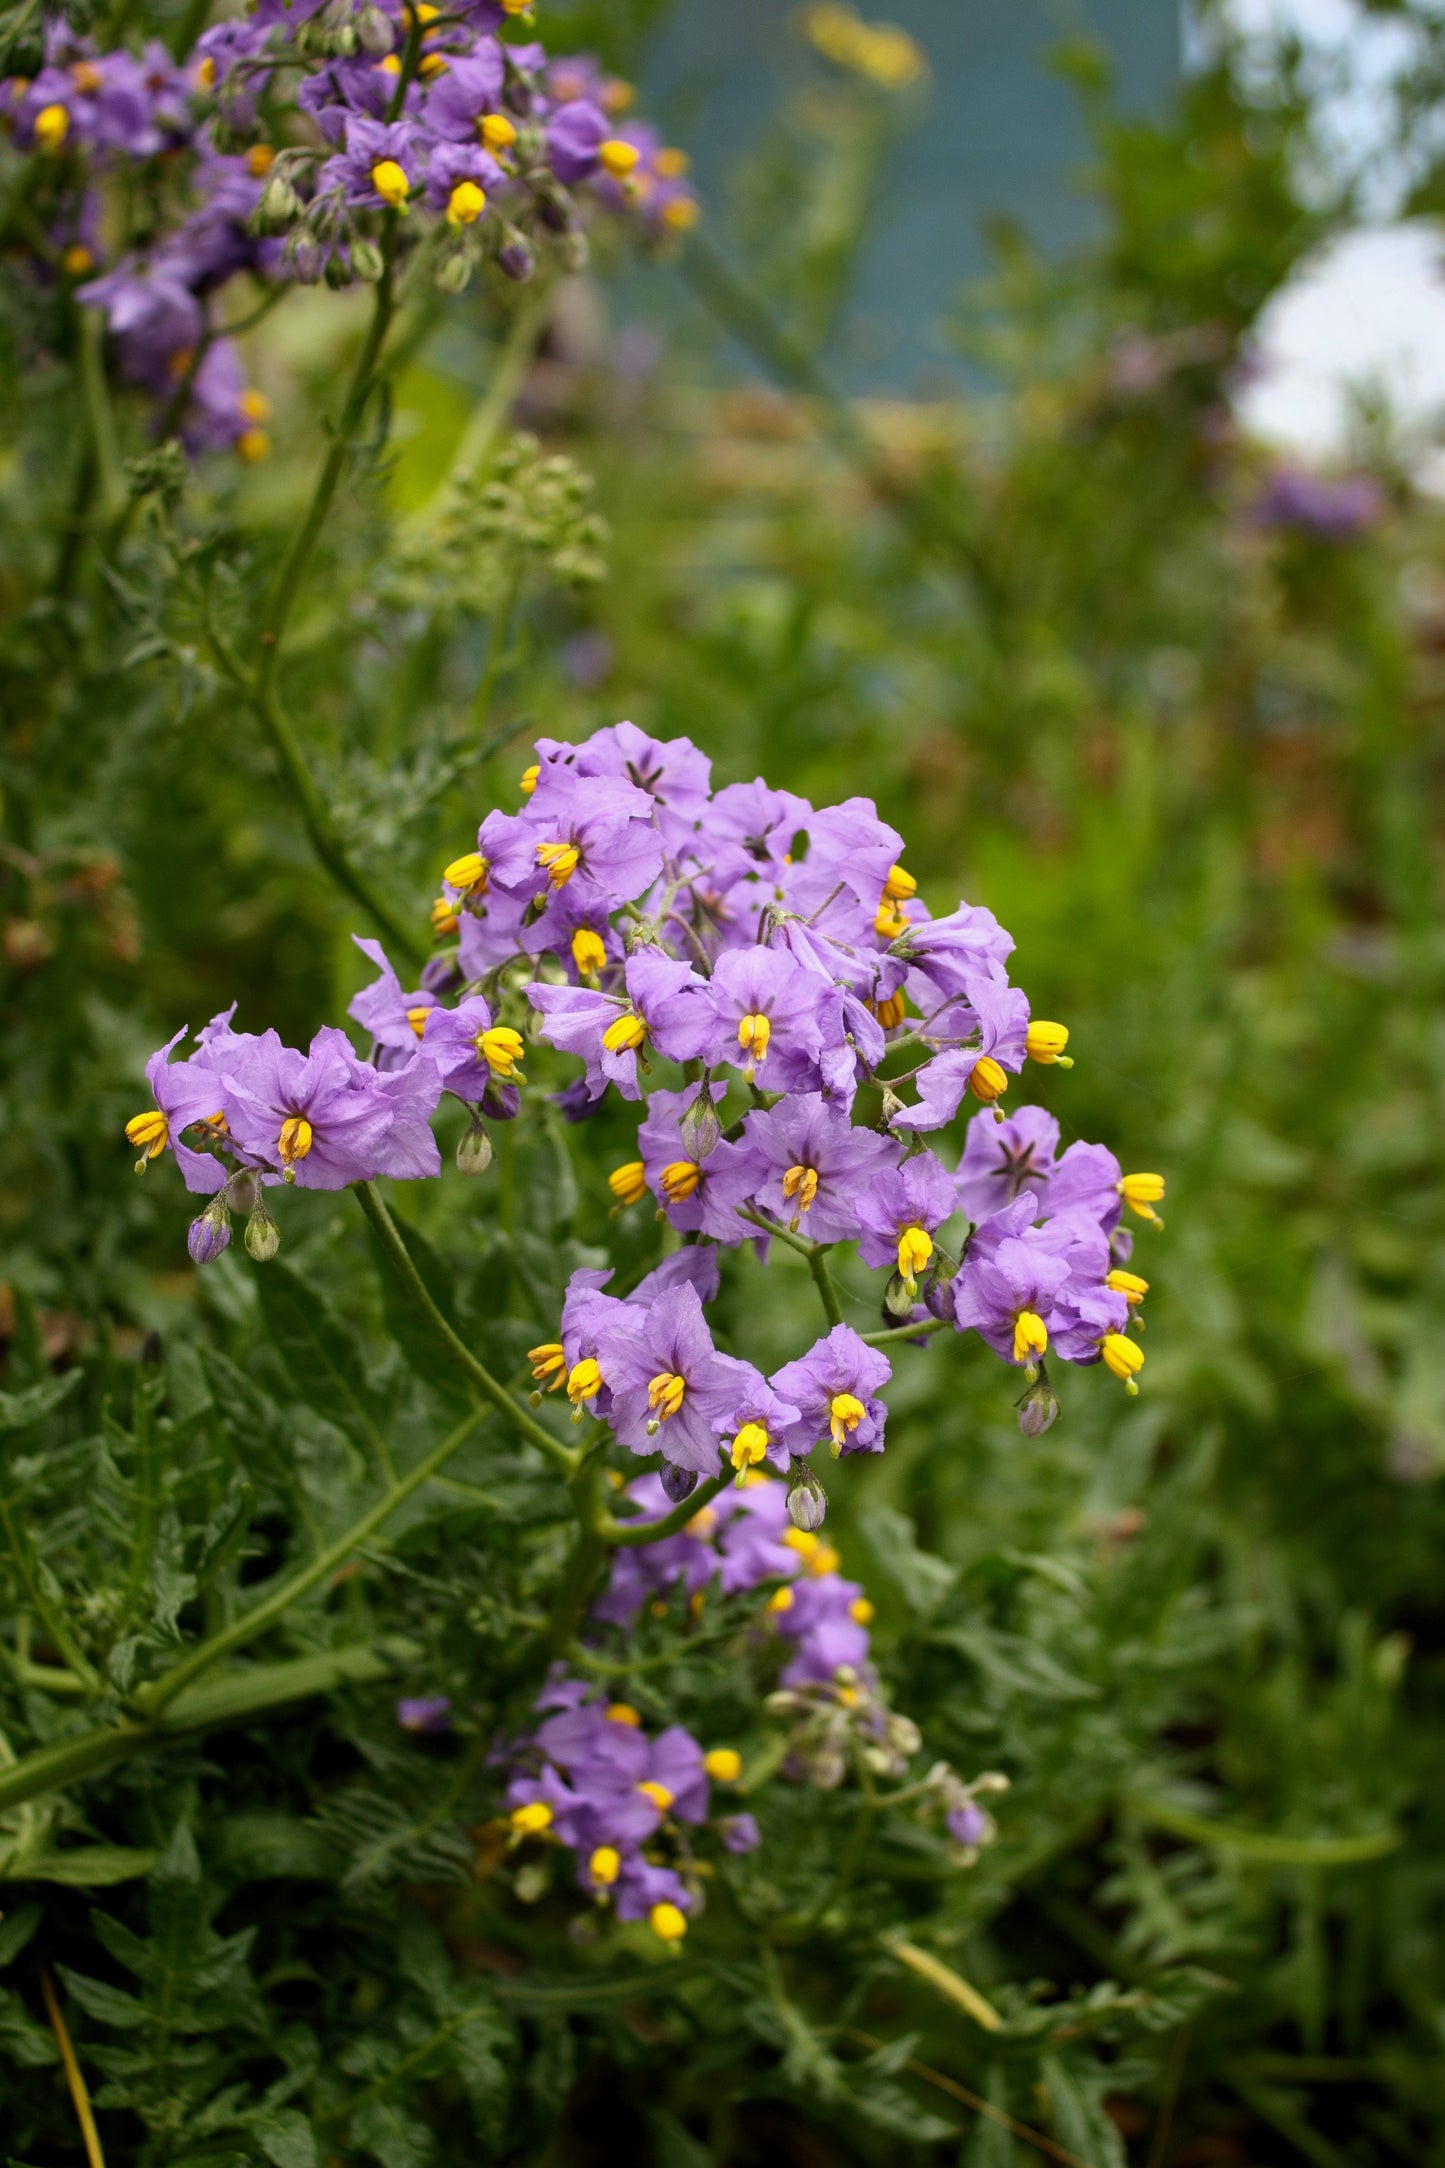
(1188, 750)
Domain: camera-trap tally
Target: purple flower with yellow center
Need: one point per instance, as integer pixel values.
(674, 774)
(901, 1210)
(473, 1054)
(185, 1094)
(576, 133)
(461, 178)
(671, 1390)
(381, 164)
(395, 1019)
(596, 830)
(756, 1425)
(323, 1119)
(698, 1195)
(1000, 1159)
(752, 830)
(771, 1015)
(834, 1387)
(666, 1009)
(812, 1165)
(425, 1714)
(460, 102)
(999, 1015)
(1009, 1283)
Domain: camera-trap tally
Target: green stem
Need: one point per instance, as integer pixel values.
(1261, 1845)
(489, 416)
(98, 410)
(153, 1699)
(475, 1372)
(823, 1281)
(499, 633)
(231, 1700)
(785, 1235)
(587, 1557)
(917, 1331)
(631, 1535)
(22, 1551)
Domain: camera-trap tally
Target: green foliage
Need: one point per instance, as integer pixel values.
(1195, 765)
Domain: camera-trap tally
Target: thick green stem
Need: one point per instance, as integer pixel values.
(631, 1535)
(489, 416)
(823, 1281)
(462, 1359)
(587, 1558)
(918, 1330)
(151, 1700)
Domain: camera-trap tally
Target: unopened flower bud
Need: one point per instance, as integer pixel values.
(303, 259)
(573, 251)
(278, 205)
(338, 271)
(515, 257)
(678, 1483)
(807, 1499)
(1039, 1408)
(376, 31)
(367, 260)
(701, 1129)
(211, 1233)
(898, 1299)
(343, 41)
(474, 1152)
(263, 1236)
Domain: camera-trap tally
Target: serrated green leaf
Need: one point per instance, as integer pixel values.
(19, 1410)
(16, 1928)
(922, 1580)
(88, 1866)
(286, 2137)
(107, 2005)
(318, 1349)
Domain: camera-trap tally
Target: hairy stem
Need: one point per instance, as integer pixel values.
(462, 1359)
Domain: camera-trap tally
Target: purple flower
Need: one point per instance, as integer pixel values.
(595, 830)
(999, 1014)
(1334, 508)
(185, 1094)
(1008, 1284)
(952, 953)
(449, 167)
(771, 1017)
(834, 1387)
(426, 1714)
(666, 1006)
(823, 1621)
(1086, 1179)
(901, 1209)
(753, 829)
(379, 167)
(1002, 1158)
(470, 88)
(576, 133)
(476, 1057)
(813, 1165)
(670, 1387)
(740, 1833)
(849, 848)
(672, 771)
(396, 1020)
(323, 1119)
(698, 1196)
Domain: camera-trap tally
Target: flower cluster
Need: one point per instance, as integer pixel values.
(628, 1806)
(312, 139)
(827, 1024)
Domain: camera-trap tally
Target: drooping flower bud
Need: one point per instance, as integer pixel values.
(376, 31)
(678, 1483)
(263, 1236)
(1039, 1408)
(366, 259)
(278, 205)
(807, 1499)
(474, 1151)
(515, 257)
(453, 273)
(211, 1233)
(701, 1129)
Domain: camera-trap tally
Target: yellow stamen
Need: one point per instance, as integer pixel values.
(848, 1696)
(532, 1819)
(680, 1179)
(466, 203)
(1129, 1285)
(667, 1922)
(253, 445)
(801, 1540)
(417, 1019)
(1046, 1042)
(516, 7)
(391, 65)
(889, 921)
(390, 182)
(1141, 1192)
(501, 1049)
(891, 1010)
(1031, 1336)
(468, 873)
(750, 1446)
(496, 131)
(845, 1412)
(443, 917)
(149, 1133)
(617, 96)
(255, 405)
(206, 73)
(432, 64)
(915, 1247)
(681, 214)
(825, 1559)
(628, 1183)
(900, 885)
(754, 1032)
(549, 1364)
(589, 953)
(605, 1865)
(780, 1600)
(584, 1380)
(723, 1764)
(561, 861)
(665, 1394)
(1123, 1357)
(52, 126)
(529, 778)
(86, 77)
(988, 1081)
(259, 160)
(659, 1794)
(625, 1035)
(800, 1186)
(671, 164)
(861, 1611)
(77, 260)
(622, 1712)
(618, 158)
(295, 1140)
